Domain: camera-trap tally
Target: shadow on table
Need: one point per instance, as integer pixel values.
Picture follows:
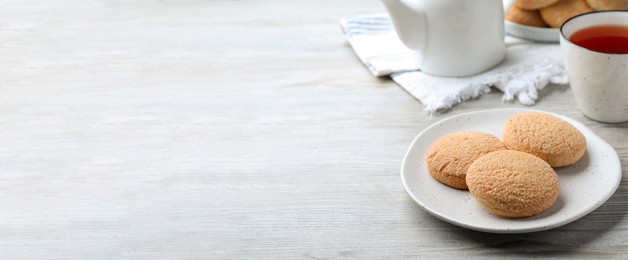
(579, 238)
(570, 239)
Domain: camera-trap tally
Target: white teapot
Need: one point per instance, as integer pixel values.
(452, 38)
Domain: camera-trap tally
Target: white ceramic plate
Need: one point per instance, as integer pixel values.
(532, 33)
(584, 186)
(529, 32)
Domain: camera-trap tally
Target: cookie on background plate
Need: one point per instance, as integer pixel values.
(555, 15)
(534, 4)
(605, 5)
(525, 17)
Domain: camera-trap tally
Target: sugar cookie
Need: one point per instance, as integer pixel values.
(534, 4)
(555, 15)
(552, 139)
(604, 5)
(513, 184)
(525, 17)
(450, 156)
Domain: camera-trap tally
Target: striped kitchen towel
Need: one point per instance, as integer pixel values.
(527, 68)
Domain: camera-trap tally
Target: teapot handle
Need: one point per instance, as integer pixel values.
(409, 22)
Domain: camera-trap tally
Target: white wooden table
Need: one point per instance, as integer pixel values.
(196, 129)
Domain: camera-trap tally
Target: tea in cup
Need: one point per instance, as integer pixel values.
(595, 50)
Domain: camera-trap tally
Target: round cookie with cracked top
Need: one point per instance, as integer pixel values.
(513, 184)
(449, 157)
(606, 5)
(550, 138)
(534, 4)
(525, 17)
(555, 15)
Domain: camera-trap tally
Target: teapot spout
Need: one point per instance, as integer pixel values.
(409, 22)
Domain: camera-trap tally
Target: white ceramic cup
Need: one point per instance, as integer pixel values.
(599, 80)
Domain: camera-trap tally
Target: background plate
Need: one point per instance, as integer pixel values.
(531, 33)
(528, 32)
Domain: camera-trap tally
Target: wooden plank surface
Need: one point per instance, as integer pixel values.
(193, 129)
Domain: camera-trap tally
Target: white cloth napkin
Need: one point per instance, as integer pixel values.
(527, 68)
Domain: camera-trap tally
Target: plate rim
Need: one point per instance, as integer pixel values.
(531, 33)
(564, 221)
